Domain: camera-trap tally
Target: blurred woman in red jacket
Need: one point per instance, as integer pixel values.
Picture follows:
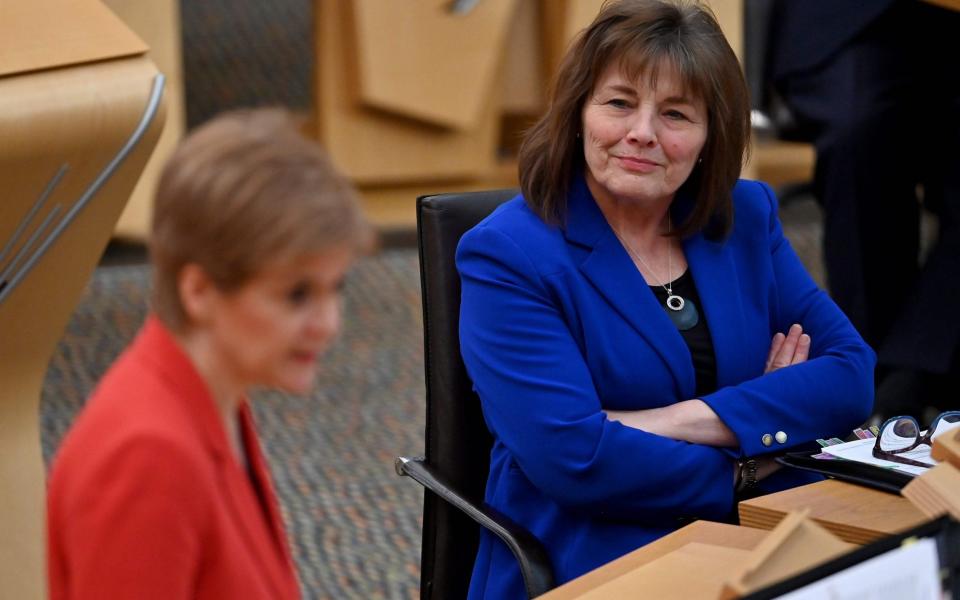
(160, 490)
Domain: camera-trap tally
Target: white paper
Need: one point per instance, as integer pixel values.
(862, 451)
(908, 573)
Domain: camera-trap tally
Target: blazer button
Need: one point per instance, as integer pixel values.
(767, 439)
(781, 437)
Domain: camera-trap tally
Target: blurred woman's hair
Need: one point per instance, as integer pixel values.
(243, 191)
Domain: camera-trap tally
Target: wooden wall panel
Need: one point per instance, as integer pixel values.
(379, 148)
(420, 60)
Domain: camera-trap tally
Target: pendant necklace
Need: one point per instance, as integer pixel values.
(681, 310)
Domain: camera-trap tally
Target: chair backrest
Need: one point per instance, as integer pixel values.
(457, 441)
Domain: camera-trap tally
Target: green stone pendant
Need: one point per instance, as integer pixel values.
(682, 312)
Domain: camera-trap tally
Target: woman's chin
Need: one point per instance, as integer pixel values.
(301, 388)
(299, 384)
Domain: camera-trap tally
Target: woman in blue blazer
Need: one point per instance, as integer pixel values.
(640, 354)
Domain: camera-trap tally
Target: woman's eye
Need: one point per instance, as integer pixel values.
(675, 115)
(618, 103)
(298, 294)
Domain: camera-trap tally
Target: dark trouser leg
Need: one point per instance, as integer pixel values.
(866, 174)
(887, 110)
(925, 337)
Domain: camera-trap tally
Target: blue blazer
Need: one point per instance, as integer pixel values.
(556, 323)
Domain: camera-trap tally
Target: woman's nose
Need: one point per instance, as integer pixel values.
(324, 322)
(642, 129)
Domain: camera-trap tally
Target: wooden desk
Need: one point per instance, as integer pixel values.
(950, 4)
(704, 536)
(853, 513)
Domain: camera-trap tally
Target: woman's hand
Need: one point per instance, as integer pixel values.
(790, 349)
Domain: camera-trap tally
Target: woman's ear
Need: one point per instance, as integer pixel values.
(198, 294)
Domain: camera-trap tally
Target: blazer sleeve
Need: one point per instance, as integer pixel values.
(539, 400)
(134, 525)
(830, 393)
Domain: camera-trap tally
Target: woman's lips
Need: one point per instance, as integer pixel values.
(306, 357)
(639, 165)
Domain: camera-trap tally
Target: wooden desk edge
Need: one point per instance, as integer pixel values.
(837, 505)
(707, 532)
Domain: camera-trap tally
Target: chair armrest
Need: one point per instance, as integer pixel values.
(530, 554)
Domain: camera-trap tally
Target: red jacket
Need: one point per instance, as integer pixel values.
(146, 499)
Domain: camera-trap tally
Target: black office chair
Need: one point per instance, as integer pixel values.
(455, 467)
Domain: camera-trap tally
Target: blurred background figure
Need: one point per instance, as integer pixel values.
(160, 490)
(875, 86)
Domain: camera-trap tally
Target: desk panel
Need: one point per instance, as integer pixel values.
(699, 532)
(854, 513)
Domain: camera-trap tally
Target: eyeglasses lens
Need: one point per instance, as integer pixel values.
(944, 423)
(898, 434)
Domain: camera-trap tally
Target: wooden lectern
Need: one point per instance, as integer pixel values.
(80, 113)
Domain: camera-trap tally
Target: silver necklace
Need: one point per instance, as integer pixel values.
(674, 302)
(682, 313)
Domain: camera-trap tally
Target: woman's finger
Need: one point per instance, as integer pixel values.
(803, 349)
(785, 356)
(775, 346)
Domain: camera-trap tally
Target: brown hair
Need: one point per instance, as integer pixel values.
(642, 35)
(241, 191)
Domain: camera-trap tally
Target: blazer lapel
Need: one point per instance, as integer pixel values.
(606, 264)
(268, 496)
(245, 510)
(240, 497)
(715, 275)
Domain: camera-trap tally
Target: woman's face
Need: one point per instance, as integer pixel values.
(271, 331)
(641, 143)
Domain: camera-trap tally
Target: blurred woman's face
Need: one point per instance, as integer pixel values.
(641, 143)
(271, 331)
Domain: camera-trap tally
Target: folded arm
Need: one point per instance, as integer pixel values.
(693, 420)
